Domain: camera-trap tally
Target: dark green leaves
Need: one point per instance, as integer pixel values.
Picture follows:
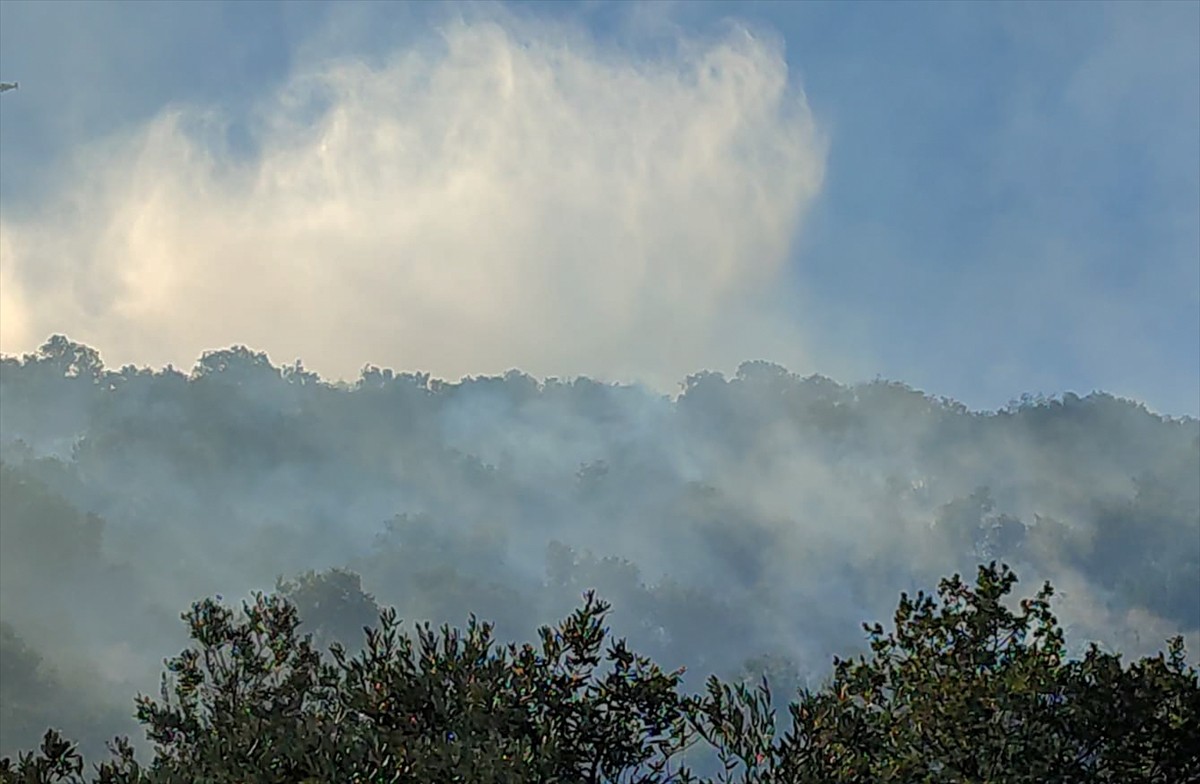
(962, 689)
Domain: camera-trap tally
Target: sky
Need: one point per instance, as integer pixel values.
(979, 200)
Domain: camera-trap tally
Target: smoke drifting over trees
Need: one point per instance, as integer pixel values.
(746, 525)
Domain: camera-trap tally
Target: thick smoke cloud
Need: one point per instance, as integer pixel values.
(765, 514)
(515, 196)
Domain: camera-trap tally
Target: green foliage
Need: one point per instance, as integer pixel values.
(966, 690)
(254, 702)
(332, 604)
(40, 525)
(962, 689)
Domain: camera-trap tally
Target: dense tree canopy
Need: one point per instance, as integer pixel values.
(740, 527)
(963, 688)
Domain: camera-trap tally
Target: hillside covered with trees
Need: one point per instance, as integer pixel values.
(743, 527)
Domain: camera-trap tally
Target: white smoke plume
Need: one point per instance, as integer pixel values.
(516, 196)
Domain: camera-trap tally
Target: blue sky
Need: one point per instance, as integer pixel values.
(980, 200)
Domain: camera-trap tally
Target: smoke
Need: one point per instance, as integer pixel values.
(762, 515)
(514, 196)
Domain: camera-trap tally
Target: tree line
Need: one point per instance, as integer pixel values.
(963, 687)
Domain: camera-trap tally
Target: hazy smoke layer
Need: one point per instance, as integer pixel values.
(760, 515)
(516, 196)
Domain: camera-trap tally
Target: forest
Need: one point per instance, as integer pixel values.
(737, 533)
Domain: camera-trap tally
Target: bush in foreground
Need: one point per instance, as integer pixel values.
(963, 689)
